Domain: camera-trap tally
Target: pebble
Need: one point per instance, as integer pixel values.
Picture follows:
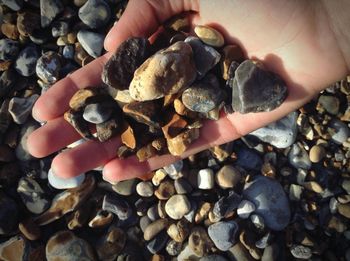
(158, 177)
(9, 49)
(8, 214)
(228, 177)
(199, 241)
(165, 190)
(226, 204)
(239, 252)
(95, 13)
(33, 196)
(340, 132)
(298, 157)
(281, 133)
(110, 245)
(205, 57)
(249, 159)
(182, 186)
(346, 185)
(177, 206)
(59, 28)
(301, 252)
(246, 97)
(91, 42)
(118, 206)
(144, 189)
(49, 9)
(205, 179)
(174, 169)
(173, 248)
(10, 31)
(271, 253)
(258, 221)
(203, 96)
(270, 200)
(21, 108)
(188, 254)
(317, 153)
(263, 242)
(14, 249)
(97, 113)
(179, 231)
(153, 213)
(344, 210)
(149, 82)
(295, 192)
(245, 208)
(229, 54)
(48, 67)
(155, 228)
(158, 243)
(68, 52)
(329, 103)
(26, 61)
(223, 234)
(65, 246)
(213, 258)
(180, 143)
(29, 229)
(209, 35)
(22, 149)
(14, 5)
(65, 183)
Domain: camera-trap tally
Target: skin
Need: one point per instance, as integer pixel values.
(305, 42)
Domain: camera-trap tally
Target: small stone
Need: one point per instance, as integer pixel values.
(29, 229)
(258, 221)
(125, 187)
(174, 127)
(202, 212)
(281, 133)
(174, 169)
(213, 258)
(173, 248)
(228, 177)
(14, 249)
(245, 208)
(199, 241)
(182, 186)
(223, 234)
(230, 53)
(154, 228)
(144, 189)
(298, 157)
(64, 245)
(68, 52)
(178, 23)
(264, 241)
(329, 103)
(205, 57)
(128, 137)
(313, 186)
(143, 112)
(8, 214)
(317, 153)
(22, 152)
(346, 185)
(95, 13)
(153, 213)
(9, 49)
(179, 231)
(177, 206)
(21, 108)
(205, 179)
(226, 205)
(48, 67)
(339, 131)
(336, 224)
(344, 210)
(14, 5)
(301, 252)
(27, 23)
(26, 61)
(187, 254)
(270, 200)
(181, 142)
(97, 113)
(158, 243)
(10, 31)
(151, 80)
(91, 42)
(158, 177)
(101, 219)
(239, 252)
(295, 192)
(246, 97)
(249, 159)
(49, 9)
(65, 183)
(83, 97)
(118, 206)
(75, 118)
(111, 244)
(59, 28)
(209, 35)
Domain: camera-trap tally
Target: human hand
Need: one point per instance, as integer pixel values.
(295, 39)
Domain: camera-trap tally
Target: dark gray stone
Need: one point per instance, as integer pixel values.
(8, 49)
(59, 28)
(97, 113)
(118, 206)
(14, 5)
(157, 243)
(48, 67)
(226, 205)
(254, 89)
(95, 13)
(91, 42)
(8, 214)
(340, 132)
(182, 186)
(298, 157)
(49, 9)
(68, 51)
(249, 159)
(26, 61)
(223, 234)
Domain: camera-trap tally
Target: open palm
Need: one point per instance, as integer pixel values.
(292, 38)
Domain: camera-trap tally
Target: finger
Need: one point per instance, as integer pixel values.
(54, 102)
(84, 157)
(143, 18)
(53, 136)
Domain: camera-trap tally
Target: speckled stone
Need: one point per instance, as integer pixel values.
(21, 108)
(95, 13)
(91, 42)
(8, 49)
(223, 234)
(48, 67)
(49, 9)
(177, 206)
(26, 61)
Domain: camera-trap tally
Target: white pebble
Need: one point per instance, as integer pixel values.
(258, 221)
(174, 168)
(245, 208)
(205, 179)
(333, 205)
(61, 183)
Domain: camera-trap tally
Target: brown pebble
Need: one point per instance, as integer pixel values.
(317, 153)
(202, 212)
(75, 118)
(5, 65)
(179, 231)
(146, 152)
(143, 112)
(181, 109)
(128, 138)
(10, 31)
(174, 127)
(154, 228)
(230, 53)
(181, 142)
(159, 144)
(344, 210)
(200, 242)
(29, 229)
(209, 35)
(82, 96)
(108, 129)
(165, 190)
(157, 257)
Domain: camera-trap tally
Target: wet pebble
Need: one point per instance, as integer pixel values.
(95, 13)
(91, 42)
(48, 67)
(21, 108)
(245, 208)
(177, 206)
(26, 61)
(9, 49)
(223, 234)
(144, 189)
(228, 177)
(298, 157)
(97, 113)
(65, 183)
(8, 214)
(49, 9)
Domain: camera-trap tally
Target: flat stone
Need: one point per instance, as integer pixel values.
(281, 133)
(301, 252)
(49, 9)
(95, 13)
(205, 57)
(329, 103)
(181, 142)
(317, 153)
(177, 206)
(125, 187)
(85, 96)
(91, 42)
(154, 228)
(25, 64)
(9, 49)
(144, 112)
(199, 241)
(64, 245)
(205, 179)
(298, 157)
(209, 35)
(270, 200)
(8, 215)
(21, 108)
(245, 208)
(174, 169)
(97, 113)
(228, 176)
(14, 5)
(22, 149)
(118, 206)
(154, 79)
(33, 196)
(75, 118)
(144, 189)
(110, 245)
(14, 249)
(223, 234)
(339, 131)
(254, 89)
(48, 67)
(65, 183)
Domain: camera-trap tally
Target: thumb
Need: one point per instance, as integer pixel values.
(143, 17)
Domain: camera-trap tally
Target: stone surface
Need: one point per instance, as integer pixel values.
(8, 214)
(21, 108)
(14, 249)
(173, 248)
(249, 159)
(59, 28)
(181, 142)
(182, 186)
(49, 9)
(270, 200)
(26, 61)
(27, 23)
(329, 103)
(177, 206)
(75, 118)
(228, 177)
(48, 67)
(158, 243)
(144, 112)
(29, 229)
(199, 241)
(154, 79)
(317, 153)
(281, 133)
(14, 5)
(144, 189)
(301, 252)
(254, 89)
(154, 228)
(111, 244)
(339, 131)
(9, 49)
(298, 157)
(95, 13)
(226, 204)
(174, 168)
(97, 113)
(65, 183)
(91, 42)
(223, 234)
(205, 179)
(64, 245)
(209, 35)
(125, 187)
(245, 208)
(229, 54)
(179, 231)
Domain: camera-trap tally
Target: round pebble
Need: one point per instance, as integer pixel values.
(173, 248)
(177, 206)
(245, 208)
(317, 153)
(209, 35)
(8, 49)
(64, 183)
(95, 13)
(205, 179)
(144, 189)
(228, 177)
(223, 234)
(301, 252)
(329, 103)
(91, 42)
(48, 67)
(97, 113)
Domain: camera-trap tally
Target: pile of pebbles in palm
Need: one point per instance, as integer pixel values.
(280, 193)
